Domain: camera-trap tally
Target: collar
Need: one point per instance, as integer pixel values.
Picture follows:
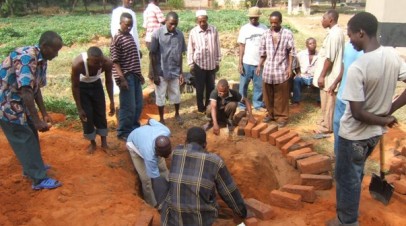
(166, 32)
(199, 29)
(193, 146)
(39, 56)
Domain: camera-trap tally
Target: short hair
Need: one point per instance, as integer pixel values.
(48, 38)
(172, 15)
(276, 14)
(309, 39)
(333, 13)
(222, 82)
(94, 51)
(196, 135)
(364, 21)
(125, 15)
(163, 146)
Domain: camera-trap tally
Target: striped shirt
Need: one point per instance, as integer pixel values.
(153, 17)
(277, 57)
(194, 177)
(124, 52)
(203, 48)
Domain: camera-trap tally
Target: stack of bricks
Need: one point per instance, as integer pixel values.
(397, 171)
(314, 168)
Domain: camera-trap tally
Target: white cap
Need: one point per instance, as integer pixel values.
(201, 12)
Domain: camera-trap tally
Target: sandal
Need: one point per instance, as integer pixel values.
(47, 183)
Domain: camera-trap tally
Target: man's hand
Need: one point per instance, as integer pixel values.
(112, 109)
(142, 80)
(391, 121)
(181, 79)
(216, 69)
(252, 119)
(82, 115)
(47, 119)
(332, 88)
(42, 126)
(123, 83)
(320, 82)
(288, 73)
(258, 71)
(241, 69)
(216, 129)
(157, 80)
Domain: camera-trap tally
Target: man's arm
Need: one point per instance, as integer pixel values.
(248, 104)
(40, 103)
(399, 102)
(218, 51)
(107, 67)
(337, 81)
(27, 94)
(213, 111)
(75, 74)
(240, 64)
(260, 65)
(190, 50)
(361, 115)
(153, 51)
(326, 67)
(229, 192)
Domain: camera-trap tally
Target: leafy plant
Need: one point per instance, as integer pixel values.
(177, 4)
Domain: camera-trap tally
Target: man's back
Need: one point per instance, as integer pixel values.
(195, 175)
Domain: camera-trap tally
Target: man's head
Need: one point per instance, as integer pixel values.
(128, 3)
(201, 19)
(330, 18)
(50, 43)
(275, 20)
(95, 57)
(362, 27)
(253, 14)
(196, 135)
(171, 21)
(163, 147)
(126, 23)
(223, 88)
(311, 44)
(156, 2)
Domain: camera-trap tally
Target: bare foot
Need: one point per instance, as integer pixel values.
(91, 149)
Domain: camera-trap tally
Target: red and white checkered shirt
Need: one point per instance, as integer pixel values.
(277, 57)
(203, 48)
(153, 17)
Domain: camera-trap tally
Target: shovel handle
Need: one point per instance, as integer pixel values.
(382, 156)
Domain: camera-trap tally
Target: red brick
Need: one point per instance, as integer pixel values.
(252, 221)
(400, 186)
(280, 141)
(403, 152)
(399, 197)
(294, 155)
(397, 165)
(273, 136)
(300, 145)
(243, 122)
(314, 165)
(286, 146)
(286, 200)
(260, 209)
(392, 178)
(319, 182)
(264, 134)
(257, 129)
(307, 192)
(248, 129)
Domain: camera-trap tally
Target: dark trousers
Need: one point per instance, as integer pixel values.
(224, 113)
(204, 81)
(25, 144)
(276, 99)
(93, 103)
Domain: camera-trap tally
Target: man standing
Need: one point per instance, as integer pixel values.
(195, 177)
(127, 72)
(369, 89)
(23, 74)
(148, 145)
(277, 50)
(249, 40)
(306, 60)
(166, 49)
(153, 19)
(87, 90)
(115, 27)
(203, 56)
(223, 105)
(328, 68)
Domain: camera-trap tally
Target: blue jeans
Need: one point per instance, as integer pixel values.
(338, 113)
(249, 73)
(298, 82)
(349, 172)
(130, 106)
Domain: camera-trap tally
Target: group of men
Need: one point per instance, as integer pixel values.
(186, 193)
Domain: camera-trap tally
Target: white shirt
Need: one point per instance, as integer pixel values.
(306, 67)
(250, 35)
(87, 78)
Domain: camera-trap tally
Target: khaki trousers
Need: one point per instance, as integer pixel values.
(328, 102)
(276, 99)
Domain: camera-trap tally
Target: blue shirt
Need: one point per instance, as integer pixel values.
(143, 139)
(169, 48)
(24, 66)
(350, 55)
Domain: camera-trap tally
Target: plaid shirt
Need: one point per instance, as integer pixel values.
(203, 48)
(277, 57)
(195, 175)
(153, 17)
